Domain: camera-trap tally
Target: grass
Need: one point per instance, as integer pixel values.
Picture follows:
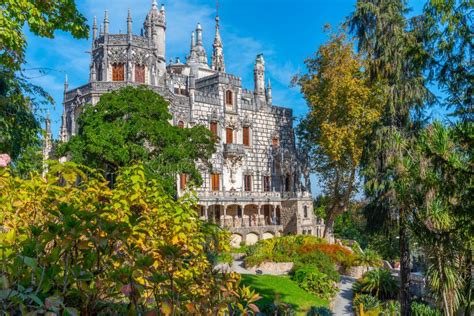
(270, 286)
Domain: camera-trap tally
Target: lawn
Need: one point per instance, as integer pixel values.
(268, 286)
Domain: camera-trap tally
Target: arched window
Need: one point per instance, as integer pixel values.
(181, 124)
(229, 97)
(118, 72)
(305, 211)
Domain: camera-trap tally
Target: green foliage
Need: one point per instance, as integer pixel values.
(319, 261)
(315, 282)
(420, 309)
(368, 258)
(379, 282)
(319, 311)
(370, 304)
(132, 124)
(71, 246)
(43, 19)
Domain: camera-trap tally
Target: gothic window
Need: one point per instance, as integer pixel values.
(305, 211)
(266, 183)
(215, 182)
(139, 73)
(275, 142)
(99, 73)
(181, 124)
(229, 135)
(248, 182)
(182, 181)
(288, 183)
(213, 128)
(246, 136)
(118, 72)
(229, 97)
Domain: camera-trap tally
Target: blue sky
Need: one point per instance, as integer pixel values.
(286, 32)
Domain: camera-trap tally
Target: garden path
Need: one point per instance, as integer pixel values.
(343, 301)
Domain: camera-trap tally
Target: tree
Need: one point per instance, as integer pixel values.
(132, 124)
(437, 180)
(19, 99)
(449, 30)
(79, 247)
(344, 104)
(368, 258)
(394, 50)
(378, 282)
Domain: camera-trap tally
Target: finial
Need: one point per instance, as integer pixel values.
(106, 22)
(162, 9)
(193, 40)
(154, 4)
(66, 80)
(217, 9)
(269, 84)
(198, 27)
(129, 23)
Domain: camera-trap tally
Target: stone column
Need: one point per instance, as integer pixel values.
(206, 207)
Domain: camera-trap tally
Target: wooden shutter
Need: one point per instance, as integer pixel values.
(215, 182)
(213, 128)
(275, 142)
(118, 72)
(182, 181)
(139, 73)
(248, 182)
(229, 98)
(229, 135)
(266, 183)
(246, 136)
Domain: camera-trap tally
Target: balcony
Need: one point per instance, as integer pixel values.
(234, 151)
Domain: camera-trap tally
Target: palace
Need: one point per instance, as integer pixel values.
(258, 186)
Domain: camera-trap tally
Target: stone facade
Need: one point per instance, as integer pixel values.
(255, 186)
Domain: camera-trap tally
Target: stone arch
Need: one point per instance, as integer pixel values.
(236, 240)
(251, 239)
(267, 235)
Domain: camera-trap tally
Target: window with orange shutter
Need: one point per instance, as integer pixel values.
(229, 97)
(213, 128)
(248, 182)
(229, 138)
(118, 72)
(246, 136)
(139, 73)
(215, 182)
(266, 183)
(275, 142)
(182, 181)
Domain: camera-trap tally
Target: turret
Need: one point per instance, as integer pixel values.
(268, 92)
(155, 31)
(197, 57)
(259, 79)
(218, 51)
(129, 25)
(63, 133)
(106, 22)
(94, 31)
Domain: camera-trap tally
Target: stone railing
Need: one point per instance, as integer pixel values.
(243, 195)
(234, 150)
(245, 221)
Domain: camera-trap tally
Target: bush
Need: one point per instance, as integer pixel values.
(370, 304)
(225, 257)
(379, 283)
(320, 261)
(319, 311)
(391, 308)
(315, 282)
(421, 309)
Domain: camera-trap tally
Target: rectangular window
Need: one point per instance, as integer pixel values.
(246, 136)
(118, 72)
(229, 138)
(266, 183)
(248, 182)
(213, 128)
(215, 182)
(275, 142)
(182, 181)
(139, 73)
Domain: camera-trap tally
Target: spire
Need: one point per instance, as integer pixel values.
(259, 79)
(106, 22)
(129, 23)
(218, 52)
(193, 40)
(94, 29)
(154, 4)
(268, 92)
(48, 124)
(63, 132)
(199, 34)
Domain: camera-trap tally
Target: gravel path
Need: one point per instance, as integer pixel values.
(343, 301)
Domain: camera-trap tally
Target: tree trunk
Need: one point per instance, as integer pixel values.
(404, 267)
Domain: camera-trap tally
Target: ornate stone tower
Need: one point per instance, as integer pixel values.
(259, 80)
(155, 31)
(218, 50)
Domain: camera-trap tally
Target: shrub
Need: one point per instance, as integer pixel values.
(315, 282)
(368, 258)
(278, 308)
(391, 308)
(319, 311)
(421, 309)
(379, 283)
(369, 303)
(320, 261)
(225, 257)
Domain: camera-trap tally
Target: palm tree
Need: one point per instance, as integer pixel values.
(368, 258)
(378, 282)
(395, 54)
